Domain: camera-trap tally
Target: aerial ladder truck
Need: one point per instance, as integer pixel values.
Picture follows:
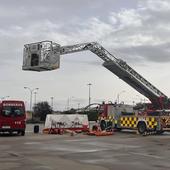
(45, 55)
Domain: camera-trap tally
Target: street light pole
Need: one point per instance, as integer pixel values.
(69, 102)
(52, 98)
(89, 93)
(78, 106)
(31, 91)
(35, 98)
(118, 96)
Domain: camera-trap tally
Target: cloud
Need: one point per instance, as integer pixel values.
(141, 32)
(126, 18)
(158, 5)
(156, 53)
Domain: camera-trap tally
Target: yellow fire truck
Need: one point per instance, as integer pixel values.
(119, 116)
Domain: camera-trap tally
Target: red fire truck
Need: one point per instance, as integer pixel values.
(12, 117)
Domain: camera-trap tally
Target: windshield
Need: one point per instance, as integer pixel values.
(14, 111)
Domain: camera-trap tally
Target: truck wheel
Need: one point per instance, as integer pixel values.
(159, 132)
(103, 125)
(109, 126)
(118, 129)
(36, 129)
(94, 128)
(141, 127)
(23, 133)
(10, 133)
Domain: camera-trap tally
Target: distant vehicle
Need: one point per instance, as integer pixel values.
(12, 117)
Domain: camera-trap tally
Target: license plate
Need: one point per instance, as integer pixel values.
(6, 127)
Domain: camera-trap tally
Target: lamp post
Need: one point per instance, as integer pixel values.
(31, 91)
(35, 98)
(69, 102)
(89, 93)
(52, 99)
(4, 97)
(118, 96)
(78, 106)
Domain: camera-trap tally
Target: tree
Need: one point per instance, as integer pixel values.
(71, 111)
(92, 115)
(41, 109)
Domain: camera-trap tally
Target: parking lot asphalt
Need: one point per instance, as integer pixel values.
(121, 151)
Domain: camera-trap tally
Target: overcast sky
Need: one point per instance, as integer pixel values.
(138, 31)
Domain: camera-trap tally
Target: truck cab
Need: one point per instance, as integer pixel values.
(12, 117)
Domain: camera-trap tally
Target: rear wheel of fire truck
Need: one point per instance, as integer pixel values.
(103, 125)
(141, 127)
(159, 132)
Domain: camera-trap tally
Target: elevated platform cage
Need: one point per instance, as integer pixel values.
(41, 56)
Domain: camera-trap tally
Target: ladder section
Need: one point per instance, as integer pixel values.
(118, 67)
(93, 47)
(126, 73)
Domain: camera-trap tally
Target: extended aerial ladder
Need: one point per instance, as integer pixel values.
(45, 55)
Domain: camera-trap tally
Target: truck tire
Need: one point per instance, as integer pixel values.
(159, 132)
(36, 129)
(109, 125)
(141, 127)
(103, 125)
(94, 128)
